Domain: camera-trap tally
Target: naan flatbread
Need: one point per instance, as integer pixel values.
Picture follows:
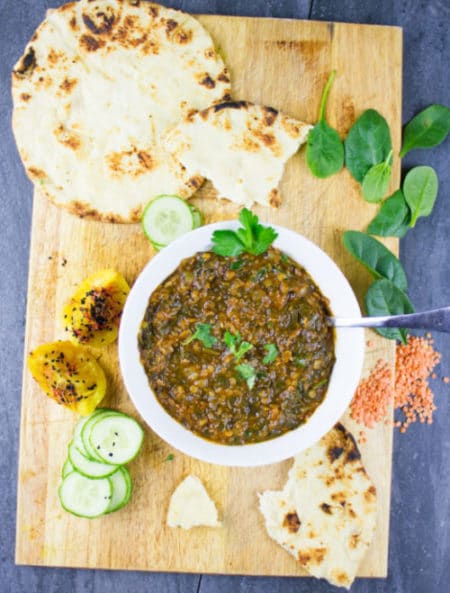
(325, 516)
(240, 147)
(190, 506)
(97, 87)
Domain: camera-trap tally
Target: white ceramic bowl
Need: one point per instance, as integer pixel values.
(349, 351)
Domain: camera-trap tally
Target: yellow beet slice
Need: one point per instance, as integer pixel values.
(92, 314)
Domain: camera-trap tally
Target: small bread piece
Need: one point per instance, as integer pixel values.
(191, 506)
(240, 147)
(325, 516)
(98, 85)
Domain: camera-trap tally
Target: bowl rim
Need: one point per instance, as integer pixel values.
(349, 352)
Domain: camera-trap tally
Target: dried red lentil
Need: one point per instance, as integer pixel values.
(373, 395)
(414, 366)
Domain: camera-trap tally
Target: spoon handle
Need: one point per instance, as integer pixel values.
(437, 320)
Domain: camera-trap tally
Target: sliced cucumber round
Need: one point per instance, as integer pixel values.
(165, 218)
(87, 467)
(67, 468)
(86, 446)
(197, 216)
(117, 438)
(122, 488)
(85, 497)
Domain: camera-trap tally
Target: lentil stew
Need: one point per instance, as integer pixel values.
(238, 349)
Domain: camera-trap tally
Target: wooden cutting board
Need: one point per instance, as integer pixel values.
(285, 64)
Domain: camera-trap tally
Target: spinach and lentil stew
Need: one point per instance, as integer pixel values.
(238, 349)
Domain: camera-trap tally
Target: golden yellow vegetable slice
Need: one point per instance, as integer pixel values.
(92, 314)
(69, 374)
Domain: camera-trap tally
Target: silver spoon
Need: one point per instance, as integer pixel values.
(437, 320)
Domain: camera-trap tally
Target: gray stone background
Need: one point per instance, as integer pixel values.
(419, 557)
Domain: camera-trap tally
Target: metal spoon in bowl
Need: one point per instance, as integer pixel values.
(437, 320)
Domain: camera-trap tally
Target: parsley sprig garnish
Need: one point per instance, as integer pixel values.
(248, 373)
(202, 333)
(252, 237)
(236, 345)
(271, 353)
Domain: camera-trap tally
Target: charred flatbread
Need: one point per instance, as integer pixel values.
(240, 147)
(325, 516)
(97, 87)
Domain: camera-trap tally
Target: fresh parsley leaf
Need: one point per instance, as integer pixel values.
(252, 237)
(170, 457)
(272, 353)
(231, 341)
(227, 243)
(264, 237)
(235, 344)
(202, 333)
(243, 348)
(248, 373)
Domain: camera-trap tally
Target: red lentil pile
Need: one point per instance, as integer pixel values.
(414, 366)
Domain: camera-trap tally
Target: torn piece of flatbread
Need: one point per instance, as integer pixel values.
(240, 147)
(191, 506)
(98, 85)
(325, 516)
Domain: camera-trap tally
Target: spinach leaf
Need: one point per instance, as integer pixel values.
(420, 189)
(393, 217)
(377, 258)
(324, 149)
(428, 128)
(368, 143)
(384, 298)
(376, 180)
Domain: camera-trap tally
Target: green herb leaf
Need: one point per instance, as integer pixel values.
(428, 128)
(376, 181)
(235, 344)
(243, 348)
(324, 149)
(368, 143)
(202, 333)
(377, 258)
(272, 353)
(384, 298)
(227, 243)
(252, 237)
(263, 238)
(236, 264)
(393, 217)
(248, 373)
(301, 362)
(420, 189)
(170, 457)
(232, 341)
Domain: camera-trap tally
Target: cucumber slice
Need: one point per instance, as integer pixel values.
(122, 487)
(85, 497)
(197, 216)
(117, 438)
(87, 467)
(165, 218)
(67, 468)
(85, 447)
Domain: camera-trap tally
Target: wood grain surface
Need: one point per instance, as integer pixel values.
(285, 64)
